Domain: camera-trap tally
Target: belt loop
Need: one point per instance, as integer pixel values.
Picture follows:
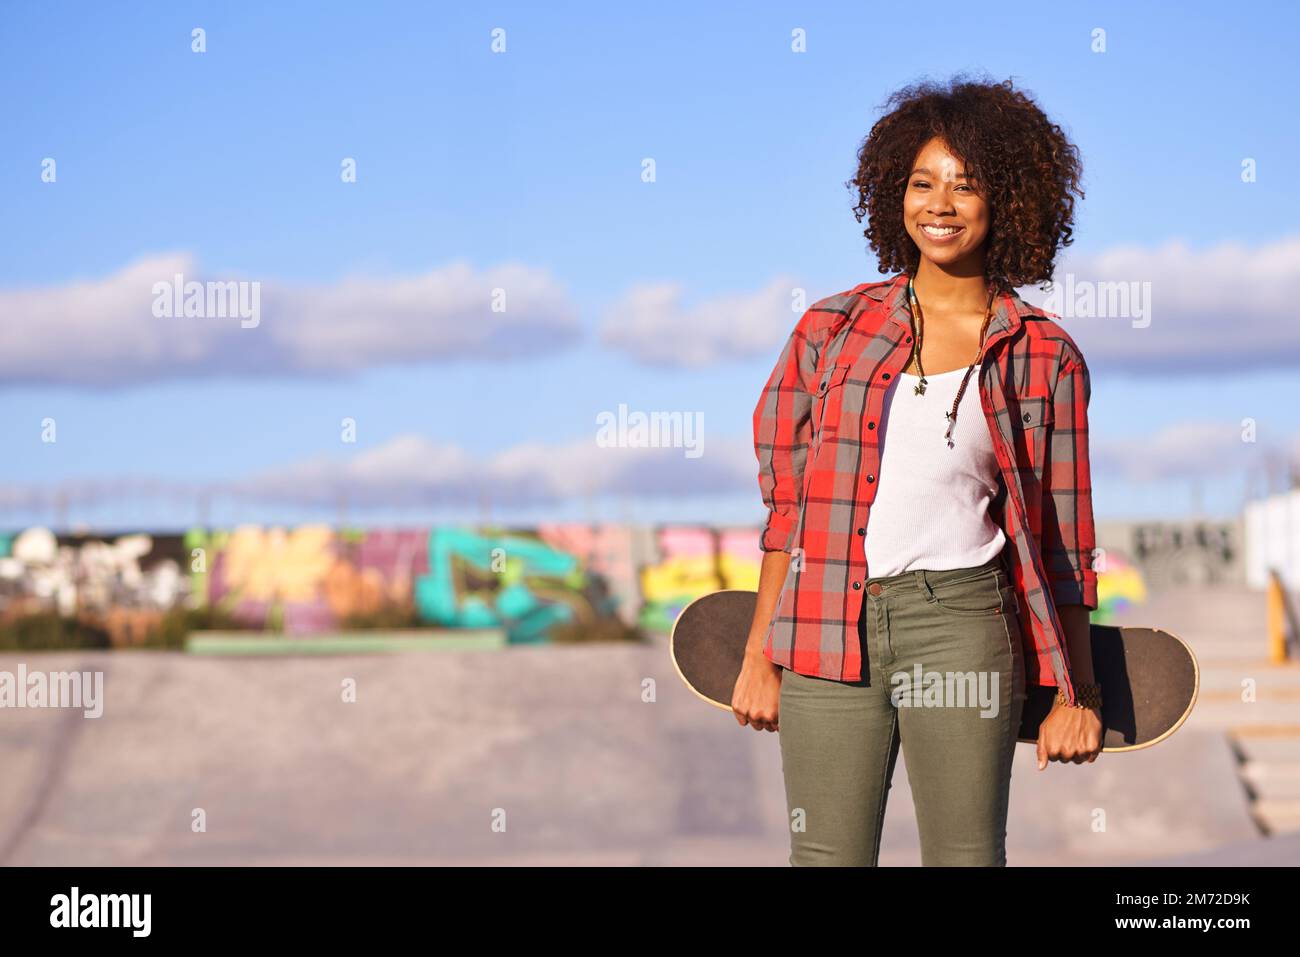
(923, 583)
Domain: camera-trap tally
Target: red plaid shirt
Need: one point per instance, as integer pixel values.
(819, 459)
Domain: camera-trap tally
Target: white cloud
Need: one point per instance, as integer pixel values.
(1226, 309)
(651, 324)
(410, 469)
(1223, 309)
(103, 332)
(1182, 450)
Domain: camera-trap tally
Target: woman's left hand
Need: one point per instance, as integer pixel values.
(1069, 734)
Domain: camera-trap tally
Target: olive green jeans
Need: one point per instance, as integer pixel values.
(944, 677)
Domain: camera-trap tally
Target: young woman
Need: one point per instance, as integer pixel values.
(923, 453)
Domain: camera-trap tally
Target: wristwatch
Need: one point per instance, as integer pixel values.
(1086, 695)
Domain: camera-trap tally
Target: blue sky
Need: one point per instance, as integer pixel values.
(532, 158)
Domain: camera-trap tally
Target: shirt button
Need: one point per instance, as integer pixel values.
(871, 425)
(1026, 416)
(871, 478)
(857, 585)
(884, 375)
(908, 339)
(862, 531)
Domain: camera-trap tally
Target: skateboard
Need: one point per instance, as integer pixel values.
(1149, 677)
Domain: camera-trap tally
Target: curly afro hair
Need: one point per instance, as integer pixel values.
(1019, 161)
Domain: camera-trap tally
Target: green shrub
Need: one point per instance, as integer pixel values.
(601, 629)
(388, 618)
(50, 631)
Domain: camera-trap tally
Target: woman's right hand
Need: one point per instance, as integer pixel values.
(756, 699)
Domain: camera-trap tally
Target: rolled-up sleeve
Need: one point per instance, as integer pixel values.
(1069, 535)
(782, 430)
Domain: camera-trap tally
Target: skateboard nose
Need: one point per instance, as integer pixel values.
(874, 588)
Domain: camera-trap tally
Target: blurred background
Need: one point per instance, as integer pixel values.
(377, 389)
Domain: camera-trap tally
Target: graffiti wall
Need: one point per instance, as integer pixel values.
(312, 579)
(693, 561)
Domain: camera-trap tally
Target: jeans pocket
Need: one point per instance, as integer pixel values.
(977, 597)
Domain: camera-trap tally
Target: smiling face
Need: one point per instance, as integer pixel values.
(942, 212)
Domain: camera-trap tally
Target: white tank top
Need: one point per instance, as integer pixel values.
(932, 502)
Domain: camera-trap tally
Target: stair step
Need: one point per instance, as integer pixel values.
(1279, 815)
(1273, 781)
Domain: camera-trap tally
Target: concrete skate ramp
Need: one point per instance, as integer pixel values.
(591, 754)
(1283, 851)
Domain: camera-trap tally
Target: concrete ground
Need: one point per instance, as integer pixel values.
(561, 744)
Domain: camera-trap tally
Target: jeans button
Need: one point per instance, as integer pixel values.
(874, 588)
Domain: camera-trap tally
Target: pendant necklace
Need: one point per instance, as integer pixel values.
(918, 324)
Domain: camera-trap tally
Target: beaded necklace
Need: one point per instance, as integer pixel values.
(918, 323)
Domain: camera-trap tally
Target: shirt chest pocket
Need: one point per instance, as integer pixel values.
(1033, 419)
(828, 400)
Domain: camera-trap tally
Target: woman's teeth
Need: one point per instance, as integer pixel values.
(941, 230)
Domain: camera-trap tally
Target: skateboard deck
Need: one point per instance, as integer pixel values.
(1149, 677)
